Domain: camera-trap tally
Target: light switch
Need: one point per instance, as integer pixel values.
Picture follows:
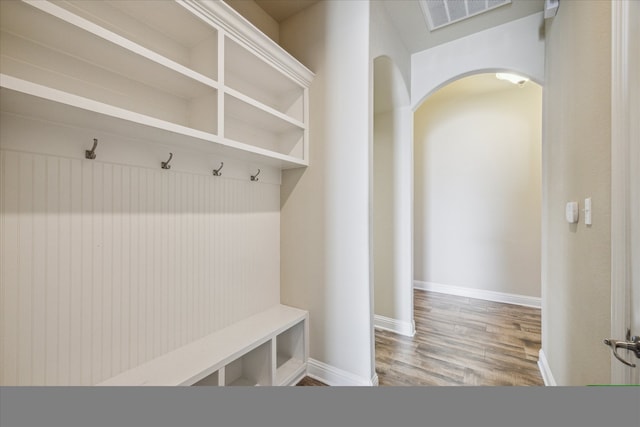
(572, 212)
(587, 211)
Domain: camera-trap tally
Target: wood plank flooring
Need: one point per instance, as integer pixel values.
(461, 341)
(308, 381)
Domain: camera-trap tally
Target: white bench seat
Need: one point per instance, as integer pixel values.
(191, 363)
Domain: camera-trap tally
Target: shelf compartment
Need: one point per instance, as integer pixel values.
(212, 379)
(290, 354)
(252, 369)
(67, 36)
(23, 98)
(185, 102)
(163, 31)
(247, 123)
(251, 76)
(70, 76)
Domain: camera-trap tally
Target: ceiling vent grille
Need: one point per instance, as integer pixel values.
(440, 13)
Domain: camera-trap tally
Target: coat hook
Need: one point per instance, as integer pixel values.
(91, 154)
(216, 172)
(255, 177)
(166, 165)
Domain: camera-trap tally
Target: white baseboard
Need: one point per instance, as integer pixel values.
(333, 376)
(375, 381)
(545, 370)
(504, 297)
(407, 329)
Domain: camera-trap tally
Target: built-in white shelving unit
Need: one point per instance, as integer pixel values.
(190, 73)
(185, 72)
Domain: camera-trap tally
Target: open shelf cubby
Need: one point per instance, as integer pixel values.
(44, 49)
(164, 27)
(290, 354)
(210, 380)
(247, 123)
(252, 76)
(251, 369)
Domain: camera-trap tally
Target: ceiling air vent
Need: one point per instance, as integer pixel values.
(440, 13)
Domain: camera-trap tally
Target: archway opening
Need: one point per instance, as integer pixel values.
(477, 215)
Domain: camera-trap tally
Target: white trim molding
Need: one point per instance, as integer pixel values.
(333, 376)
(545, 370)
(622, 175)
(408, 329)
(504, 297)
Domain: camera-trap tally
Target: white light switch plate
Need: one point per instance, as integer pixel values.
(587, 211)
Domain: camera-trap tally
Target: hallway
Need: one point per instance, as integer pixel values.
(462, 341)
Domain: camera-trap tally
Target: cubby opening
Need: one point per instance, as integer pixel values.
(250, 125)
(252, 369)
(251, 76)
(290, 348)
(210, 380)
(165, 27)
(43, 49)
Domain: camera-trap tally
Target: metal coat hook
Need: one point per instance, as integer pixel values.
(91, 154)
(216, 172)
(255, 177)
(166, 165)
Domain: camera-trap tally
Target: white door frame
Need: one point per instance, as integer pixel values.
(621, 177)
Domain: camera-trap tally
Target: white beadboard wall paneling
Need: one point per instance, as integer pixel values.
(105, 265)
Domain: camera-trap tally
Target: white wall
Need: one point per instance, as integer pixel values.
(576, 259)
(325, 265)
(516, 46)
(109, 263)
(384, 41)
(478, 187)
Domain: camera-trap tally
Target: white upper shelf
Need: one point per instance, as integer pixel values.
(150, 70)
(29, 99)
(84, 39)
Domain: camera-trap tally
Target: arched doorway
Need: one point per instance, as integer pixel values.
(478, 189)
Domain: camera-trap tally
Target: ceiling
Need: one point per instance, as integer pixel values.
(409, 22)
(283, 9)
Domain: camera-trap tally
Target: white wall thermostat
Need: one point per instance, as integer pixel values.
(572, 212)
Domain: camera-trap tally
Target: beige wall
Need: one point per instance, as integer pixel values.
(577, 152)
(250, 10)
(325, 224)
(478, 185)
